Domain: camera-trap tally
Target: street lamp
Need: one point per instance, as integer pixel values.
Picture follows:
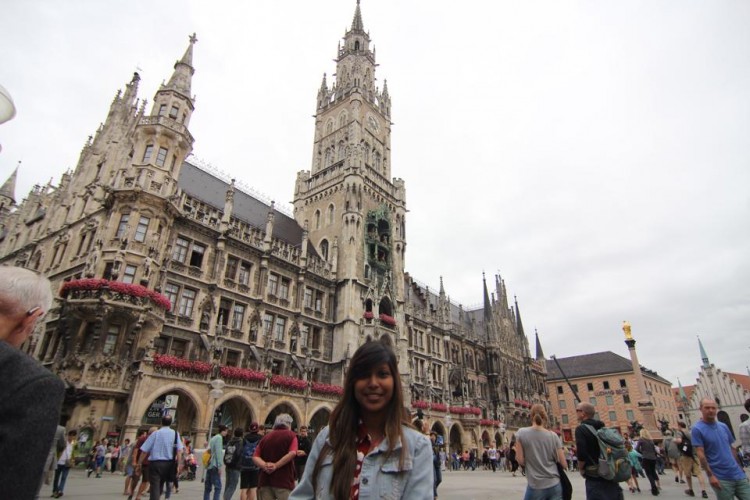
(217, 384)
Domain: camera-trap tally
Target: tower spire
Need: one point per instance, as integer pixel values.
(539, 352)
(704, 356)
(487, 303)
(357, 24)
(183, 71)
(8, 189)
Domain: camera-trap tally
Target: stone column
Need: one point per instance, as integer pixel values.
(645, 406)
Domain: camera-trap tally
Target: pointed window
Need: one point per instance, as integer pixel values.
(331, 213)
(324, 249)
(329, 127)
(341, 150)
(356, 45)
(343, 118)
(147, 153)
(317, 219)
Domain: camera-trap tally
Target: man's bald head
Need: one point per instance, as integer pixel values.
(586, 409)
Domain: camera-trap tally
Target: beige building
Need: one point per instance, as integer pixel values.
(607, 381)
(172, 276)
(729, 390)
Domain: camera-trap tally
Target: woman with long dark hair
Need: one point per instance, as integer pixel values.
(368, 446)
(540, 450)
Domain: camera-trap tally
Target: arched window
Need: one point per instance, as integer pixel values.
(343, 118)
(385, 307)
(377, 161)
(367, 153)
(331, 211)
(329, 127)
(317, 219)
(324, 249)
(341, 150)
(356, 45)
(329, 157)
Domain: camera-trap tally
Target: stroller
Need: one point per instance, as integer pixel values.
(191, 465)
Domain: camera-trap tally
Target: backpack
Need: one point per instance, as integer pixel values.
(613, 458)
(686, 447)
(233, 453)
(246, 459)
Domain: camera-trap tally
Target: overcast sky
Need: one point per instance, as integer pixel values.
(595, 154)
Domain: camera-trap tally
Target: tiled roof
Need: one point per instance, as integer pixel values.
(209, 189)
(743, 380)
(591, 365)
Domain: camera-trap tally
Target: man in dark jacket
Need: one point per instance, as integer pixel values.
(587, 446)
(304, 445)
(30, 395)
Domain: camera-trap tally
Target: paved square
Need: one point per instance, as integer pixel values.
(460, 485)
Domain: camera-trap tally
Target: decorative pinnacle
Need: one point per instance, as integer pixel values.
(193, 38)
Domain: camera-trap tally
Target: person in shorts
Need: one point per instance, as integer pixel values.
(249, 476)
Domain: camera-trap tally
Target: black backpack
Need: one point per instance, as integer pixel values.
(246, 457)
(686, 447)
(233, 453)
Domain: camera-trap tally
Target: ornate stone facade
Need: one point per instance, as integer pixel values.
(172, 276)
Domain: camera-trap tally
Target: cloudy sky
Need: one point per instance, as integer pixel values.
(595, 154)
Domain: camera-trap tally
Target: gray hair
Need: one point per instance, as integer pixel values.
(283, 420)
(21, 290)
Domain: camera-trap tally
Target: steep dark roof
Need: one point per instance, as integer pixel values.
(592, 365)
(211, 190)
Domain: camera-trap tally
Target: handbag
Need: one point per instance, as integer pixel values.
(567, 488)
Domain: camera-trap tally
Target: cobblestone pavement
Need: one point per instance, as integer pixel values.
(461, 485)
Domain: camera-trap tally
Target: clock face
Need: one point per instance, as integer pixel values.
(373, 123)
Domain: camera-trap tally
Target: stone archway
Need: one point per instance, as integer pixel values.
(179, 405)
(485, 439)
(278, 410)
(498, 440)
(456, 443)
(318, 421)
(233, 412)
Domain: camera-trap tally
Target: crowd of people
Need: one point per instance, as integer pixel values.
(370, 447)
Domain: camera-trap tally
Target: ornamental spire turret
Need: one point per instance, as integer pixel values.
(182, 76)
(704, 356)
(539, 352)
(8, 189)
(357, 24)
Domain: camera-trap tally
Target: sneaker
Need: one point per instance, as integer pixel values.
(676, 479)
(690, 493)
(704, 494)
(682, 481)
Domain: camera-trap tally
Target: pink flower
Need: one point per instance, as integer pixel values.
(321, 388)
(368, 314)
(130, 289)
(388, 320)
(422, 405)
(288, 382)
(438, 407)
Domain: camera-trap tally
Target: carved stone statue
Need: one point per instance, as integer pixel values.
(626, 329)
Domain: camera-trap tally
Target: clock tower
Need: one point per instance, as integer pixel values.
(353, 209)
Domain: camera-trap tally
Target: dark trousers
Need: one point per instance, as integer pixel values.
(649, 466)
(160, 471)
(603, 490)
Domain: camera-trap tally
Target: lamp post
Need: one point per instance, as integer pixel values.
(217, 384)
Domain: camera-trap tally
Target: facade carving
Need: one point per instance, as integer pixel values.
(171, 276)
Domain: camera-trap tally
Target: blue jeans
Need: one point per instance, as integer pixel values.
(730, 489)
(233, 477)
(61, 475)
(551, 493)
(603, 490)
(213, 480)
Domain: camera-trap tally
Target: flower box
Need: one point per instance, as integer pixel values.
(288, 382)
(320, 388)
(421, 405)
(438, 406)
(181, 364)
(368, 315)
(388, 320)
(465, 410)
(129, 289)
(235, 373)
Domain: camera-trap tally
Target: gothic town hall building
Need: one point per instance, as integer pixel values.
(171, 277)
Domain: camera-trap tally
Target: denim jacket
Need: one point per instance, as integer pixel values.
(379, 478)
